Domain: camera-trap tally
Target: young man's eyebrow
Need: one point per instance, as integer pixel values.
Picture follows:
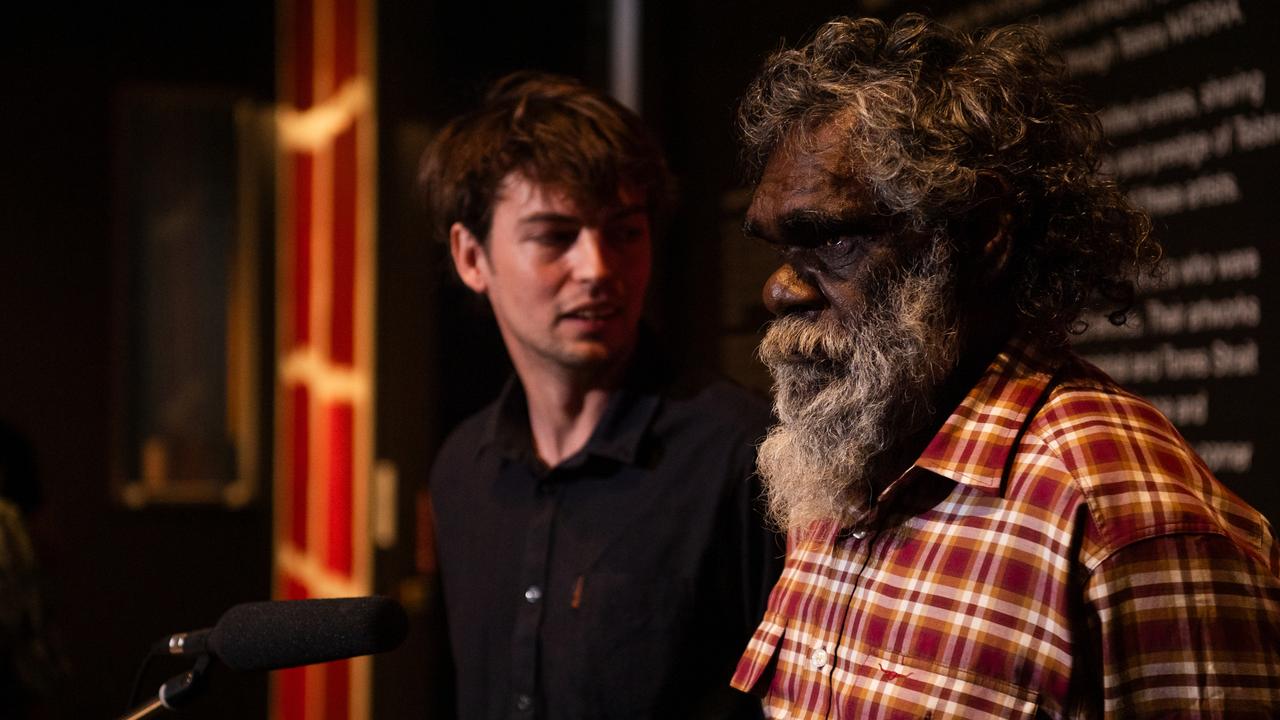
(627, 211)
(550, 217)
(567, 218)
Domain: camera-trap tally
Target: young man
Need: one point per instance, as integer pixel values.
(982, 524)
(598, 540)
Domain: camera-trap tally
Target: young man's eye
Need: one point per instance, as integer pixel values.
(632, 233)
(555, 238)
(628, 232)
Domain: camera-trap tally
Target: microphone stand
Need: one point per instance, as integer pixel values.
(176, 692)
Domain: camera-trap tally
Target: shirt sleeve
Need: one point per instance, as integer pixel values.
(1187, 625)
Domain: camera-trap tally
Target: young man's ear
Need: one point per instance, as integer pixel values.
(469, 258)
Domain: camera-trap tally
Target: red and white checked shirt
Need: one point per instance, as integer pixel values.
(1056, 551)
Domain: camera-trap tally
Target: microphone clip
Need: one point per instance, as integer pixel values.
(195, 642)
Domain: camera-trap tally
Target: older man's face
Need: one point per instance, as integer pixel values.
(865, 332)
(834, 243)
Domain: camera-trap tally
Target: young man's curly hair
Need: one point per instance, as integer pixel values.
(927, 114)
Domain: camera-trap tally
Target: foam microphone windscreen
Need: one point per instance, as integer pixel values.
(286, 633)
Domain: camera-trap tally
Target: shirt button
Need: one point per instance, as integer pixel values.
(858, 534)
(819, 658)
(533, 594)
(524, 703)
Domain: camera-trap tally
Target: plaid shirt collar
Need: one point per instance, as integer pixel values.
(974, 445)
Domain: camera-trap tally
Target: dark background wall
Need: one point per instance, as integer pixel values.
(117, 579)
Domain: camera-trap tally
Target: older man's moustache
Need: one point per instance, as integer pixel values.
(794, 341)
(794, 355)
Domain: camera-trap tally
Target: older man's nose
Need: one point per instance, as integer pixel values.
(785, 292)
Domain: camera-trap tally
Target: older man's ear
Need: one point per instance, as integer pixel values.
(984, 234)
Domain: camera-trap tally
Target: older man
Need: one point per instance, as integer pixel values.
(982, 524)
(600, 549)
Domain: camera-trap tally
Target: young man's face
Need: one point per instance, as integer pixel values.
(567, 287)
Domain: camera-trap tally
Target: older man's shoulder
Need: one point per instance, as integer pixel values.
(1139, 476)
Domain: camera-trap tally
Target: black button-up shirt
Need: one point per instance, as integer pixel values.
(625, 581)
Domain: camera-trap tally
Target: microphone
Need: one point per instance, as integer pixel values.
(286, 633)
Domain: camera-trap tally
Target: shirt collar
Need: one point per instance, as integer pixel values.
(623, 426)
(506, 430)
(617, 436)
(974, 444)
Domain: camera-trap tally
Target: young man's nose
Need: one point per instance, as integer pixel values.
(592, 257)
(786, 292)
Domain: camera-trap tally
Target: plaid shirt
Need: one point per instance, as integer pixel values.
(1057, 550)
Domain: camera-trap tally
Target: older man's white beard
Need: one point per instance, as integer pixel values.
(845, 393)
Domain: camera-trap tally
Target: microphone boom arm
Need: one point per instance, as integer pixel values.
(176, 692)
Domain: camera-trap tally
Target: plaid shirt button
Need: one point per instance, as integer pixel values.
(819, 658)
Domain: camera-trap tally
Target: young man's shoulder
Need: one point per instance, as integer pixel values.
(717, 405)
(461, 447)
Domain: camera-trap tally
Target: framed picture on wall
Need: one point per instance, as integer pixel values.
(193, 209)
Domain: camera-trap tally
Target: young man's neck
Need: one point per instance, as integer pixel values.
(566, 404)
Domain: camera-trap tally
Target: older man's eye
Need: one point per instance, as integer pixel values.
(840, 245)
(838, 251)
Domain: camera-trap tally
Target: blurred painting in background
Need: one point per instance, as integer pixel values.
(194, 188)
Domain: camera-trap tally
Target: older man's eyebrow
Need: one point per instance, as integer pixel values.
(810, 226)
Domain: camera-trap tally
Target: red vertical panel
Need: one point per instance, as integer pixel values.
(293, 589)
(299, 430)
(425, 547)
(342, 331)
(339, 551)
(303, 174)
(303, 51)
(346, 33)
(337, 690)
(292, 696)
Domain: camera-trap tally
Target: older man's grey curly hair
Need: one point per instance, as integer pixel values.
(926, 112)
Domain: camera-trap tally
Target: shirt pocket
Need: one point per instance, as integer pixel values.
(633, 629)
(902, 687)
